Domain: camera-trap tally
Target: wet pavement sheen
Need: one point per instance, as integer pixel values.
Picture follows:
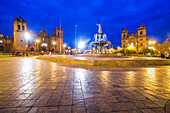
(31, 85)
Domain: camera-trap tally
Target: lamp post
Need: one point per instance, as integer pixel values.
(75, 35)
(64, 47)
(60, 35)
(54, 45)
(37, 42)
(27, 37)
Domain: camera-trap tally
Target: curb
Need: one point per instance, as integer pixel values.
(108, 62)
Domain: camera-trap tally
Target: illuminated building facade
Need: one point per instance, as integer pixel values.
(38, 42)
(6, 43)
(164, 46)
(41, 41)
(137, 40)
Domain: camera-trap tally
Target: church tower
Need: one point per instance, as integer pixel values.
(124, 36)
(141, 30)
(58, 31)
(124, 33)
(20, 27)
(142, 37)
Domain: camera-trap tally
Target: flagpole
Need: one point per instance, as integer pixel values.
(60, 34)
(75, 35)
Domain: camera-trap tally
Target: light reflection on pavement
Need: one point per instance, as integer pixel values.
(31, 85)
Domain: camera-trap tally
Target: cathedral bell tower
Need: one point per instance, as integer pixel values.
(20, 28)
(141, 30)
(58, 32)
(124, 33)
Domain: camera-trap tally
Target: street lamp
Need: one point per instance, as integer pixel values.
(37, 41)
(81, 45)
(27, 37)
(64, 45)
(54, 43)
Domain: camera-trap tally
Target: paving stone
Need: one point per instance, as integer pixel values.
(79, 109)
(64, 109)
(158, 110)
(37, 110)
(66, 102)
(92, 108)
(27, 103)
(14, 104)
(21, 110)
(117, 106)
(147, 110)
(129, 105)
(51, 109)
(104, 107)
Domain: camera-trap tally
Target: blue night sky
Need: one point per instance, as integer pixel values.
(113, 15)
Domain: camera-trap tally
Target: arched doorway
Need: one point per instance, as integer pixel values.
(1, 48)
(32, 48)
(52, 49)
(44, 45)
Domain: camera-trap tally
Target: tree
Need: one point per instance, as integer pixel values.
(130, 51)
(156, 52)
(145, 50)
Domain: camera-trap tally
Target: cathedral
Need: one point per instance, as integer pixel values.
(137, 40)
(37, 42)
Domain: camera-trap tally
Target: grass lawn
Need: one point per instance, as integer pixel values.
(1, 55)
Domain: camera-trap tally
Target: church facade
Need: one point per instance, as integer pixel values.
(164, 47)
(38, 41)
(137, 40)
(41, 41)
(6, 43)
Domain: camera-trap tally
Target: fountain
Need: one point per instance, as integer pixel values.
(100, 40)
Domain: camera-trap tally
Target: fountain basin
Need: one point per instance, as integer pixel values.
(101, 43)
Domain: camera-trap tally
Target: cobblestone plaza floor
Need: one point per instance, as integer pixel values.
(31, 85)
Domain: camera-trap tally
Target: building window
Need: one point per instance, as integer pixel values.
(141, 33)
(123, 45)
(18, 27)
(124, 35)
(141, 44)
(43, 39)
(140, 39)
(123, 41)
(58, 33)
(21, 40)
(22, 27)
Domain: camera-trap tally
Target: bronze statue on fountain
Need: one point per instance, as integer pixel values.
(100, 40)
